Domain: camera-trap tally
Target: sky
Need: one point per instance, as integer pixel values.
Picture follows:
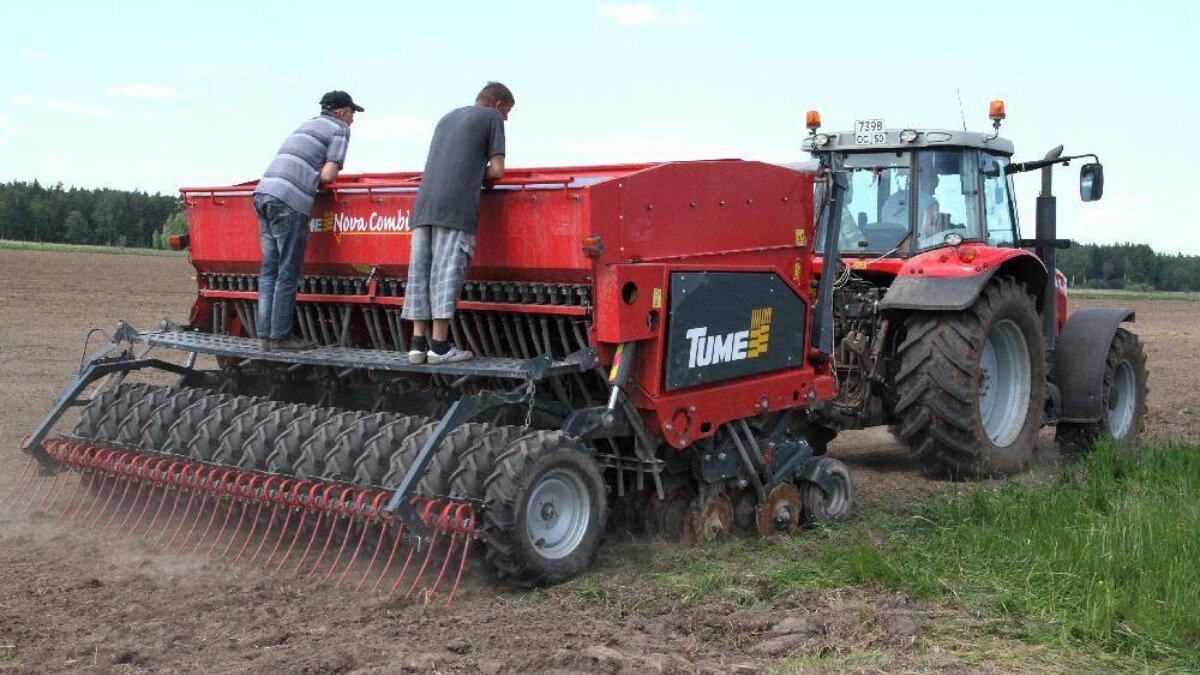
(159, 95)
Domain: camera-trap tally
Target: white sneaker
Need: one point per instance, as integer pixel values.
(453, 356)
(416, 357)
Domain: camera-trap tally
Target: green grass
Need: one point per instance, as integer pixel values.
(1103, 564)
(1102, 294)
(81, 248)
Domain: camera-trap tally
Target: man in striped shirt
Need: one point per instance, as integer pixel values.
(311, 156)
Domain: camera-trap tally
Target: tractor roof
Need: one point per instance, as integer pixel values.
(924, 139)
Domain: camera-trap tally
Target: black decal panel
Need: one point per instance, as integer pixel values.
(724, 325)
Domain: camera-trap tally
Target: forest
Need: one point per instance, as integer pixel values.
(30, 211)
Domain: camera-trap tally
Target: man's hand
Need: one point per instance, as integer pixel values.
(495, 170)
(329, 172)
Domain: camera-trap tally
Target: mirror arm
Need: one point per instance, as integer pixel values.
(1021, 167)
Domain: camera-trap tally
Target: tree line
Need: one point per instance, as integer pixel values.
(1134, 267)
(34, 212)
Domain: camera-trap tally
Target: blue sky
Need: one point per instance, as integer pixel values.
(157, 95)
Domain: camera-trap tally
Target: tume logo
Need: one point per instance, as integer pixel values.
(707, 350)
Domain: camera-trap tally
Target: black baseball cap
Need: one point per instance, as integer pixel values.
(339, 99)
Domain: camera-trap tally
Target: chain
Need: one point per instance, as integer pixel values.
(529, 408)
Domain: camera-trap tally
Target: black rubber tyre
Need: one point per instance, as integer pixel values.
(403, 457)
(478, 462)
(349, 446)
(544, 476)
(820, 507)
(109, 427)
(310, 463)
(436, 481)
(1124, 401)
(948, 416)
(130, 431)
(187, 424)
(286, 449)
(233, 439)
(203, 446)
(93, 413)
(153, 434)
(376, 459)
(261, 441)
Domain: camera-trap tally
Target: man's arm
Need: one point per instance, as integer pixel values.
(495, 169)
(329, 172)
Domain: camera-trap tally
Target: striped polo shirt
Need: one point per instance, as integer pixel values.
(294, 175)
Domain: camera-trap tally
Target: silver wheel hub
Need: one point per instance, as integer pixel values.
(1004, 383)
(1122, 400)
(557, 514)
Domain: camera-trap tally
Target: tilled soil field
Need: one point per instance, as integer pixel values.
(72, 599)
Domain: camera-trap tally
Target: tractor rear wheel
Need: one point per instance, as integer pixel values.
(1124, 402)
(546, 510)
(972, 384)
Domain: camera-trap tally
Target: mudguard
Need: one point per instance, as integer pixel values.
(939, 280)
(1080, 360)
(934, 293)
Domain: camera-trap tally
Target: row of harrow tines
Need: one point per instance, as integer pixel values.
(289, 487)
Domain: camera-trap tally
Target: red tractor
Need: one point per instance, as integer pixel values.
(946, 324)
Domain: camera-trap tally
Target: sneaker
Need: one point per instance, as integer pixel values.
(417, 349)
(265, 344)
(453, 356)
(292, 344)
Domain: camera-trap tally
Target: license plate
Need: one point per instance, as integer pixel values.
(869, 132)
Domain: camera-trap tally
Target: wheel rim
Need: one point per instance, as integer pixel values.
(557, 514)
(1004, 383)
(1122, 399)
(835, 501)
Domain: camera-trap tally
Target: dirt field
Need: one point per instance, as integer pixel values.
(72, 600)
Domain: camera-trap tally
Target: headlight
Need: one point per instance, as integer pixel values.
(908, 136)
(953, 238)
(821, 140)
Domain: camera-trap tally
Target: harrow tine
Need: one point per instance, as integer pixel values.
(173, 481)
(374, 556)
(187, 509)
(41, 501)
(237, 482)
(312, 496)
(76, 452)
(316, 527)
(129, 481)
(166, 495)
(91, 485)
(388, 563)
(63, 478)
(241, 517)
(115, 464)
(293, 506)
(152, 474)
(372, 514)
(420, 571)
(333, 520)
(463, 522)
(280, 504)
(218, 490)
(350, 522)
(20, 486)
(266, 491)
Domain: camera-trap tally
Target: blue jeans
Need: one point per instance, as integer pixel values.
(282, 234)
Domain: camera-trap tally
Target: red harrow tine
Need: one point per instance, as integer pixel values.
(135, 468)
(262, 501)
(96, 462)
(306, 508)
(173, 482)
(232, 492)
(371, 516)
(114, 469)
(317, 526)
(462, 526)
(335, 511)
(293, 506)
(355, 511)
(280, 502)
(197, 485)
(395, 544)
(46, 498)
(77, 453)
(220, 489)
(425, 518)
(152, 479)
(20, 486)
(245, 497)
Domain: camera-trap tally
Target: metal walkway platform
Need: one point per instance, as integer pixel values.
(371, 359)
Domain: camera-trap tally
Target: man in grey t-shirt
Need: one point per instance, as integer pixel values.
(467, 153)
(310, 157)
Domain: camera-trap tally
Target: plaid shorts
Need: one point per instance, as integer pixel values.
(436, 269)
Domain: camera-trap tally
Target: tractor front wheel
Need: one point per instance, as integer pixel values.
(1124, 402)
(971, 384)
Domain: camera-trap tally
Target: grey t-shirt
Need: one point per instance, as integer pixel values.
(464, 140)
(294, 175)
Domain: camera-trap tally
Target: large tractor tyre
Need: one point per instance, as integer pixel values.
(348, 447)
(971, 385)
(233, 439)
(130, 431)
(1124, 402)
(94, 412)
(259, 445)
(285, 449)
(546, 508)
(479, 461)
(204, 444)
(153, 434)
(310, 464)
(109, 427)
(186, 425)
(376, 458)
(821, 507)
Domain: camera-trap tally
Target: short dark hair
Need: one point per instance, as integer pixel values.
(494, 93)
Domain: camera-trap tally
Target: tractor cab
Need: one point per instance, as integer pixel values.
(911, 190)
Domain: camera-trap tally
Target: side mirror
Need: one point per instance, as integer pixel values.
(1091, 181)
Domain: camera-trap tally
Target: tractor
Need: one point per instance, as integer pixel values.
(947, 325)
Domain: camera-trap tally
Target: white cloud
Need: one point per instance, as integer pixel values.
(378, 127)
(646, 15)
(143, 90)
(205, 71)
(64, 106)
(32, 55)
